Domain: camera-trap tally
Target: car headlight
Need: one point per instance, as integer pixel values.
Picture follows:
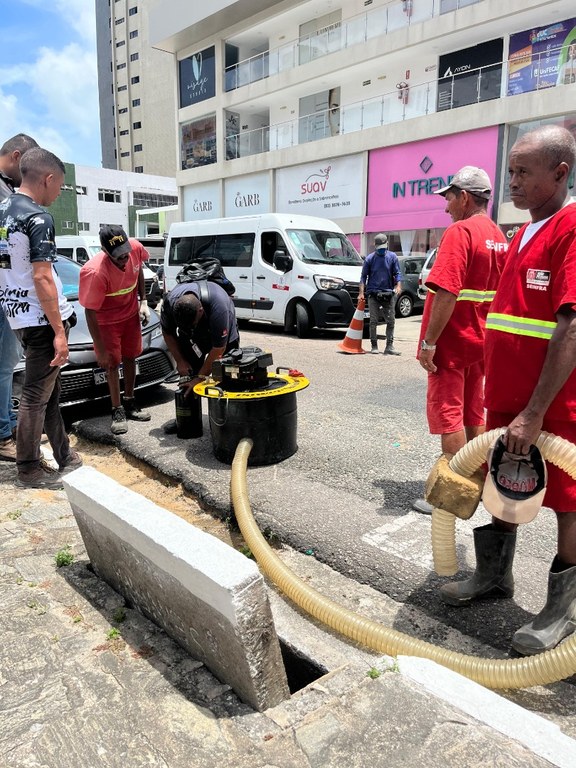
(325, 283)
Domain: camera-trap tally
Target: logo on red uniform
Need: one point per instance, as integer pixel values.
(538, 279)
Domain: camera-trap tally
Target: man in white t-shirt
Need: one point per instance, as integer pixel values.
(38, 312)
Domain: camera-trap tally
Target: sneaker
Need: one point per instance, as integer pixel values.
(119, 425)
(391, 351)
(73, 461)
(133, 412)
(42, 476)
(8, 449)
(374, 351)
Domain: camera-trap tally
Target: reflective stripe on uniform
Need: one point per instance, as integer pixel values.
(468, 294)
(521, 326)
(123, 291)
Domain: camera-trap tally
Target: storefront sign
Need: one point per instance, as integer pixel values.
(542, 57)
(244, 195)
(402, 179)
(197, 77)
(332, 188)
(201, 201)
(470, 75)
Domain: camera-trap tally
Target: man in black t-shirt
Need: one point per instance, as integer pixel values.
(199, 326)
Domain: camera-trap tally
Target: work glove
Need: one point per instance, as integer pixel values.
(144, 312)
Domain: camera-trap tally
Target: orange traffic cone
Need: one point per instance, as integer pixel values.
(352, 342)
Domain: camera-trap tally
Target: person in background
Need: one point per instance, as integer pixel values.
(381, 282)
(461, 285)
(113, 293)
(531, 376)
(33, 301)
(199, 326)
(11, 153)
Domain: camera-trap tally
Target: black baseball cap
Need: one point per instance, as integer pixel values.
(114, 240)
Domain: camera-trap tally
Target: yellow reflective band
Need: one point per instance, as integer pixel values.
(123, 291)
(520, 326)
(468, 294)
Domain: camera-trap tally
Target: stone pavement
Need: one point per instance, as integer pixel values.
(87, 682)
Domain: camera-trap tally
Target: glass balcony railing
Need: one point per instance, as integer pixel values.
(475, 86)
(336, 37)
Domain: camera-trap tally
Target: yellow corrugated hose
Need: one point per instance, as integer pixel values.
(542, 669)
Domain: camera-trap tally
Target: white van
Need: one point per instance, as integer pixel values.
(80, 248)
(289, 270)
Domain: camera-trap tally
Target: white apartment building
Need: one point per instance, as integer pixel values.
(358, 110)
(136, 91)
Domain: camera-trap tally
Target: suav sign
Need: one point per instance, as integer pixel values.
(331, 189)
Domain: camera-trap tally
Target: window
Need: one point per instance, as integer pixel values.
(232, 250)
(109, 195)
(119, 21)
(67, 225)
(135, 102)
(124, 133)
(120, 43)
(198, 142)
(135, 80)
(139, 169)
(81, 190)
(121, 66)
(66, 188)
(270, 243)
(137, 125)
(133, 34)
(137, 147)
(133, 11)
(123, 111)
(134, 56)
(152, 200)
(122, 88)
(124, 154)
(83, 226)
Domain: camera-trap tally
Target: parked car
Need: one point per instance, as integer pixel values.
(409, 300)
(428, 264)
(82, 379)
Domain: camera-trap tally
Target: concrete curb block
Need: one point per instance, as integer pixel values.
(540, 736)
(209, 598)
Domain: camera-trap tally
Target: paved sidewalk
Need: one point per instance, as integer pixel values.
(88, 682)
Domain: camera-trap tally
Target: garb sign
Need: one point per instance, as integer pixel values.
(197, 77)
(331, 189)
(244, 195)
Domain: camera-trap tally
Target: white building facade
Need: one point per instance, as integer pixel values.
(358, 110)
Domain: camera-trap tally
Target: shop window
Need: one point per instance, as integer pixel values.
(198, 142)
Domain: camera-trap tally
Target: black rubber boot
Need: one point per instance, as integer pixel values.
(556, 620)
(493, 575)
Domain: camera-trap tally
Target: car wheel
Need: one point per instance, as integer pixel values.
(302, 321)
(404, 305)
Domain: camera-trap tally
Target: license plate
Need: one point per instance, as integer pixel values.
(101, 377)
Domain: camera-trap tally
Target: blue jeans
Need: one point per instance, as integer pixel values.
(10, 351)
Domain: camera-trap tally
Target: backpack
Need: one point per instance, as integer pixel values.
(207, 269)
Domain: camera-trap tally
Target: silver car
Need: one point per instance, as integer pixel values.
(82, 379)
(428, 264)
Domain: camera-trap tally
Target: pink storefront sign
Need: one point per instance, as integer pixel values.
(402, 179)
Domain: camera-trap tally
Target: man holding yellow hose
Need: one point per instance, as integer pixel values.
(530, 358)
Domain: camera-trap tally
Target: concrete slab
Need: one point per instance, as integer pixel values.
(207, 596)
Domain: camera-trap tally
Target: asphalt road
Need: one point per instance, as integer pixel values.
(345, 496)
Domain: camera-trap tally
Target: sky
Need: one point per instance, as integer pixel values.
(48, 77)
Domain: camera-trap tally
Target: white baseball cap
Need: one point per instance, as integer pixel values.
(515, 484)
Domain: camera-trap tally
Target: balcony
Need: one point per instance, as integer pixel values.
(336, 37)
(404, 103)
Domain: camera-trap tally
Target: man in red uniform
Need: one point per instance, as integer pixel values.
(110, 284)
(531, 377)
(461, 286)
